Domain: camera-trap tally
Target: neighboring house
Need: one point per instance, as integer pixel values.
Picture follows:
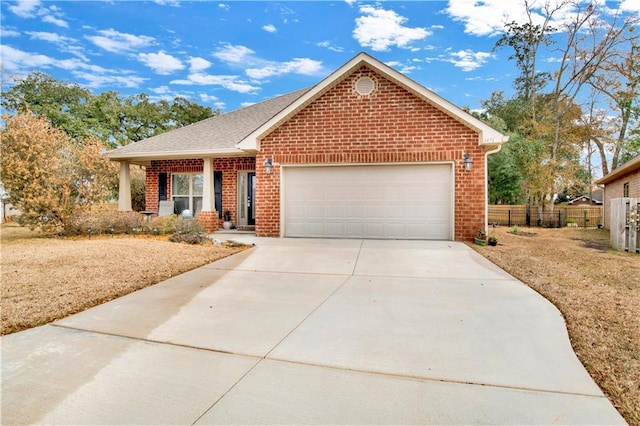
(621, 182)
(592, 199)
(365, 153)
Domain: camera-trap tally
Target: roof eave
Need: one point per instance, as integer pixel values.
(628, 167)
(138, 157)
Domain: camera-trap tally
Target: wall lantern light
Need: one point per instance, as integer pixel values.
(467, 161)
(268, 165)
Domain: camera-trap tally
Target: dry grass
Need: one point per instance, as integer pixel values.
(598, 292)
(46, 278)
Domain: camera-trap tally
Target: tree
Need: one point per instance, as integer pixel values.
(114, 119)
(48, 175)
(61, 103)
(619, 81)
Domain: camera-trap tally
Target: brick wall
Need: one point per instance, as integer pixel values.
(228, 166)
(615, 190)
(390, 125)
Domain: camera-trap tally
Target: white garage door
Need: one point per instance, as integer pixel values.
(390, 201)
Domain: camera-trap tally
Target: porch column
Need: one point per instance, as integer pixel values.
(124, 189)
(208, 217)
(207, 186)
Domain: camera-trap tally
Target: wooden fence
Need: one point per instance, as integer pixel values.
(558, 217)
(625, 224)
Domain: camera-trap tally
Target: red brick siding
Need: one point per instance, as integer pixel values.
(615, 190)
(391, 125)
(228, 166)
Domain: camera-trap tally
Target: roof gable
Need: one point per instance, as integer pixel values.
(491, 138)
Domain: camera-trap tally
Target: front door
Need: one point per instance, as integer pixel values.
(246, 198)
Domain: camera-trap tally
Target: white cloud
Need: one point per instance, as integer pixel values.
(350, 2)
(487, 17)
(55, 21)
(207, 97)
(50, 37)
(224, 6)
(4, 32)
(234, 54)
(161, 62)
(95, 81)
(381, 29)
(19, 61)
(198, 64)
(174, 3)
(630, 6)
(328, 45)
(229, 82)
(304, 66)
(25, 8)
(258, 68)
(160, 90)
(117, 42)
(65, 44)
(247, 104)
(469, 60)
(270, 28)
(403, 68)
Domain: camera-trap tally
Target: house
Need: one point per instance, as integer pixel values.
(365, 153)
(621, 182)
(594, 198)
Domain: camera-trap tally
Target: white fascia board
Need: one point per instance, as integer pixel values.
(166, 155)
(486, 134)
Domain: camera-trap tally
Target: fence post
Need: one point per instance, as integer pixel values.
(509, 220)
(528, 215)
(585, 219)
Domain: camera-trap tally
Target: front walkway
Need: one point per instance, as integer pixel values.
(299, 331)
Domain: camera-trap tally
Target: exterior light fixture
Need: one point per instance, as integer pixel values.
(268, 165)
(468, 162)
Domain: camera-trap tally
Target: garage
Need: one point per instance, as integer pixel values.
(369, 201)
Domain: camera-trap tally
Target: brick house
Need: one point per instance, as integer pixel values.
(365, 153)
(621, 182)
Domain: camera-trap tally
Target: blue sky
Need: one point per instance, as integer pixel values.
(229, 54)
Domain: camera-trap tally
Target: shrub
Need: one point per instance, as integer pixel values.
(96, 223)
(190, 238)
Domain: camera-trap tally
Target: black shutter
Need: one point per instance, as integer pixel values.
(162, 186)
(217, 183)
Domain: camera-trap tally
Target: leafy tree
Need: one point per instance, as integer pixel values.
(62, 104)
(116, 120)
(50, 177)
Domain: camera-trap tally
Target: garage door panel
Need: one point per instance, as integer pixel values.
(397, 201)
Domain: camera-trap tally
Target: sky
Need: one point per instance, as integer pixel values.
(231, 54)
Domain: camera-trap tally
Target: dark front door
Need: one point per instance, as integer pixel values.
(251, 190)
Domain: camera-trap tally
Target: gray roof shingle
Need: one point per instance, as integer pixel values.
(214, 134)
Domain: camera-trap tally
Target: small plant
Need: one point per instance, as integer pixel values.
(189, 238)
(481, 237)
(493, 240)
(227, 216)
(515, 230)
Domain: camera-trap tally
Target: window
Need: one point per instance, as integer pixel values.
(625, 189)
(186, 192)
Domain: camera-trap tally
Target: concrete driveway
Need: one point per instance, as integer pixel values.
(300, 331)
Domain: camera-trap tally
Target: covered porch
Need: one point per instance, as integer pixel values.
(205, 188)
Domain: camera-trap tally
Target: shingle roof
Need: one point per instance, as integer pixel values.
(219, 134)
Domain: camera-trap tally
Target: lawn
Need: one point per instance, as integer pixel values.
(46, 278)
(598, 292)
